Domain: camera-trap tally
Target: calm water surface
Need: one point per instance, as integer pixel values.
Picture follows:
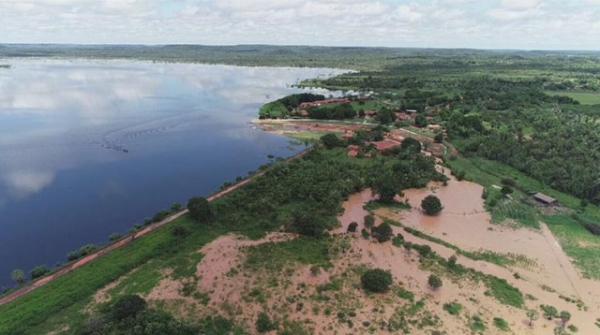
(90, 148)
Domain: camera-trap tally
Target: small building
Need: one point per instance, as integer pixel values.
(411, 111)
(545, 200)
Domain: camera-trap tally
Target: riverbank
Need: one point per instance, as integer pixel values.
(124, 241)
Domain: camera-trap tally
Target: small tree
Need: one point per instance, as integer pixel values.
(431, 205)
(128, 306)
(376, 280)
(532, 315)
(264, 323)
(564, 318)
(439, 138)
(383, 232)
(18, 276)
(386, 190)
(452, 261)
(352, 227)
(39, 271)
(200, 209)
(506, 190)
(435, 282)
(369, 221)
(411, 144)
(331, 141)
(421, 121)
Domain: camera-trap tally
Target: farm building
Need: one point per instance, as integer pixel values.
(545, 200)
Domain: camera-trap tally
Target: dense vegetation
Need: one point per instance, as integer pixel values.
(500, 107)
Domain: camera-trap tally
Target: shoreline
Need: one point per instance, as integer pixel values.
(129, 239)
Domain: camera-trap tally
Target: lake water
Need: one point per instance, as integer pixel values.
(90, 148)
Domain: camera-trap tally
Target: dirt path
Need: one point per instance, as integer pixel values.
(125, 241)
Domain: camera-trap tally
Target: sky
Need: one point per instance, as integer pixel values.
(491, 24)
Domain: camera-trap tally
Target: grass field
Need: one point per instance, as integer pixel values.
(584, 98)
(578, 243)
(62, 299)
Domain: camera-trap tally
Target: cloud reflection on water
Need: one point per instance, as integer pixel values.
(55, 115)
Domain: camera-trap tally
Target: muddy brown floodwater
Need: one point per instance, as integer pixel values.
(464, 223)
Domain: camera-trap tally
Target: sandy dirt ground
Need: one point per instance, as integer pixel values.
(292, 294)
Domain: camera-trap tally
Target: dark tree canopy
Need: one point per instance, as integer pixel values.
(200, 210)
(376, 280)
(352, 227)
(128, 306)
(411, 145)
(435, 282)
(431, 205)
(331, 141)
(383, 232)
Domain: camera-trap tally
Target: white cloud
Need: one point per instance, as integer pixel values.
(521, 4)
(427, 23)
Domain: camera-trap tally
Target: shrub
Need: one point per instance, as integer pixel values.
(411, 145)
(452, 261)
(200, 210)
(376, 280)
(264, 323)
(509, 182)
(160, 216)
(364, 233)
(331, 141)
(114, 237)
(18, 276)
(421, 121)
(383, 232)
(501, 324)
(369, 221)
(352, 227)
(506, 190)
(439, 138)
(435, 282)
(454, 308)
(39, 271)
(431, 205)
(180, 231)
(398, 240)
(550, 312)
(127, 306)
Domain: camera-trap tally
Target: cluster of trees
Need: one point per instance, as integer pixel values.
(130, 315)
(557, 151)
(410, 170)
(282, 107)
(333, 112)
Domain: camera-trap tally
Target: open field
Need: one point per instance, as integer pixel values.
(584, 98)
